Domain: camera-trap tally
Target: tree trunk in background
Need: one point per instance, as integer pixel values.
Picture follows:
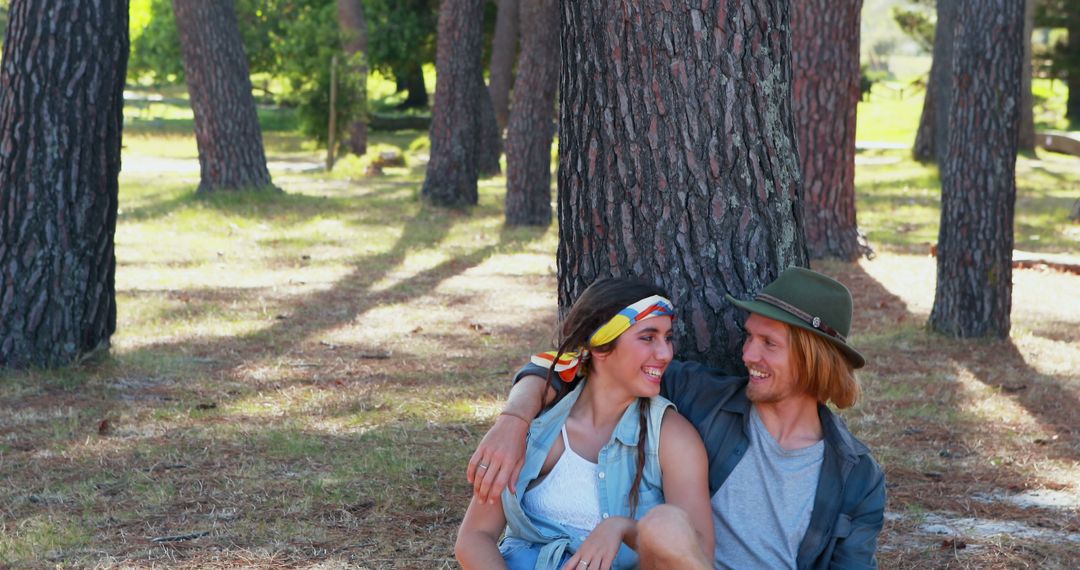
(1072, 105)
(489, 147)
(227, 127)
(456, 117)
(61, 120)
(503, 54)
(978, 175)
(411, 79)
(677, 157)
(1027, 105)
(923, 149)
(825, 97)
(532, 125)
(355, 39)
(931, 138)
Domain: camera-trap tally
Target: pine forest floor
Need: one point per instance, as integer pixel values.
(298, 379)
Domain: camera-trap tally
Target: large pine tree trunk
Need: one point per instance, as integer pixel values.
(528, 137)
(825, 96)
(978, 174)
(355, 36)
(932, 135)
(503, 54)
(455, 118)
(677, 156)
(227, 130)
(61, 119)
(1027, 110)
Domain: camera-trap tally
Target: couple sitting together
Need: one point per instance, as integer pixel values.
(615, 474)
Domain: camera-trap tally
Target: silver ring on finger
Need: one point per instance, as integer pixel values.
(481, 466)
(584, 563)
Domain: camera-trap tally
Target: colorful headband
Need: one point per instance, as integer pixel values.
(647, 308)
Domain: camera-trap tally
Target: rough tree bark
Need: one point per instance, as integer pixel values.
(61, 119)
(677, 156)
(825, 96)
(355, 40)
(227, 130)
(932, 136)
(1027, 112)
(978, 175)
(531, 129)
(503, 54)
(455, 118)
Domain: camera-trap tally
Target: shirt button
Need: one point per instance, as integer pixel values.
(600, 475)
(605, 515)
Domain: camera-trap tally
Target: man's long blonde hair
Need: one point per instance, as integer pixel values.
(821, 369)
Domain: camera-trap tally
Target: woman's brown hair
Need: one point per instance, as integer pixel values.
(596, 306)
(821, 369)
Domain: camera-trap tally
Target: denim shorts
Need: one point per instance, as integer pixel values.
(522, 554)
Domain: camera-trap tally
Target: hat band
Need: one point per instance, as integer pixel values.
(801, 314)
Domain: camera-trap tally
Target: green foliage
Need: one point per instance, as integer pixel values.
(917, 23)
(155, 48)
(291, 40)
(401, 33)
(306, 51)
(1057, 60)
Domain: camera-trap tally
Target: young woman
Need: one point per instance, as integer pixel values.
(604, 454)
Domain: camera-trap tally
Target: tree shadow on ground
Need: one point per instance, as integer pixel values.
(354, 294)
(939, 450)
(290, 207)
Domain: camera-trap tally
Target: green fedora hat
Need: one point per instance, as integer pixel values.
(811, 301)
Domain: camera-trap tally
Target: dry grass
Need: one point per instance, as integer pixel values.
(303, 376)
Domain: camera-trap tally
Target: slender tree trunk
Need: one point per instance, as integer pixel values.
(503, 54)
(825, 96)
(532, 125)
(227, 127)
(61, 120)
(455, 119)
(411, 78)
(1072, 105)
(677, 156)
(1027, 110)
(923, 149)
(932, 136)
(355, 36)
(489, 147)
(978, 175)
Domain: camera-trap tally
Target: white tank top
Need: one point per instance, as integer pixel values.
(568, 494)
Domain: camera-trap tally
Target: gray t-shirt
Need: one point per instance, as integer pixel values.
(763, 509)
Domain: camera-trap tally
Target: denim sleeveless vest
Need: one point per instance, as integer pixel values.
(532, 541)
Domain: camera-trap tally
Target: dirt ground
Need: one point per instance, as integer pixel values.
(337, 453)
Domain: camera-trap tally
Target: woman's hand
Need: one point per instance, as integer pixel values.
(599, 550)
(498, 459)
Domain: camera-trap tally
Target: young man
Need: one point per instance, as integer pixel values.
(790, 486)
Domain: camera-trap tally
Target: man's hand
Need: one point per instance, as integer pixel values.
(599, 550)
(498, 459)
